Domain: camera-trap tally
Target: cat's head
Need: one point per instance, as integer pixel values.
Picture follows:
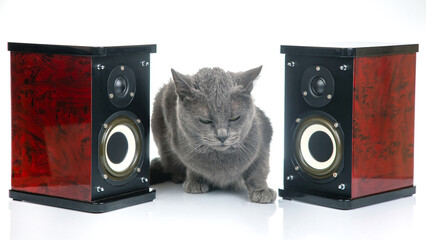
(215, 107)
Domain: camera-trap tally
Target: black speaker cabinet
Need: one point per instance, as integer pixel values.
(349, 124)
(80, 125)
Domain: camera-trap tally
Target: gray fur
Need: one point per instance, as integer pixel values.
(229, 150)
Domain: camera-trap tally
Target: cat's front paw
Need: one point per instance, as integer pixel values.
(195, 187)
(177, 178)
(266, 195)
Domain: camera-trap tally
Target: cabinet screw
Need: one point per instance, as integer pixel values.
(100, 67)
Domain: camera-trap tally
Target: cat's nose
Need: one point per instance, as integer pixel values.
(222, 139)
(222, 134)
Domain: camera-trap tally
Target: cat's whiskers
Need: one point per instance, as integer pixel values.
(189, 145)
(247, 149)
(185, 146)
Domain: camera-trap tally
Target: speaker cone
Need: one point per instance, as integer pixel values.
(318, 146)
(121, 86)
(120, 147)
(318, 86)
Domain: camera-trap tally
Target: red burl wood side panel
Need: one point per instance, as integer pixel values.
(51, 125)
(383, 123)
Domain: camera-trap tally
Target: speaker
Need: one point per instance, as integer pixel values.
(349, 124)
(80, 125)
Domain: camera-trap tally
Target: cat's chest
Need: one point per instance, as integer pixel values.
(215, 164)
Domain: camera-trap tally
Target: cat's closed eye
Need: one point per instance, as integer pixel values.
(205, 121)
(234, 119)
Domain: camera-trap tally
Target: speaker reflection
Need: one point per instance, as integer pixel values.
(389, 220)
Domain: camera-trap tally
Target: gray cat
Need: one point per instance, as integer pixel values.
(210, 134)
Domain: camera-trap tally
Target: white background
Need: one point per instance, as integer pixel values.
(234, 35)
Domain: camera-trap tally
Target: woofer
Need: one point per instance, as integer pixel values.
(318, 147)
(120, 147)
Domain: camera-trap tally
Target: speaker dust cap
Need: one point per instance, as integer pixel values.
(317, 86)
(120, 147)
(318, 147)
(121, 86)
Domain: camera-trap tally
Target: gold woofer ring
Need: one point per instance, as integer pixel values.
(304, 160)
(126, 127)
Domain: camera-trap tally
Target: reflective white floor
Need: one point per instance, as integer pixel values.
(220, 215)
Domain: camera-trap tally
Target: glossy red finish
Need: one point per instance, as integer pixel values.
(383, 123)
(51, 124)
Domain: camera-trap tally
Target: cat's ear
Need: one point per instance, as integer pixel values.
(183, 90)
(246, 79)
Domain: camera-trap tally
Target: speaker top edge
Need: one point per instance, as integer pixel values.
(80, 50)
(350, 50)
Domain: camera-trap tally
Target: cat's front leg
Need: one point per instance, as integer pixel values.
(194, 183)
(255, 180)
